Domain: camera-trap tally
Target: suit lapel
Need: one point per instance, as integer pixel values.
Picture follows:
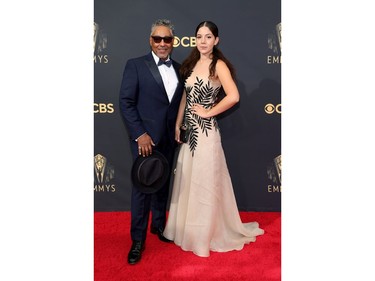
(155, 72)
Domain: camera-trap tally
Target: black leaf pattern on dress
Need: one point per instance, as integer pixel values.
(205, 95)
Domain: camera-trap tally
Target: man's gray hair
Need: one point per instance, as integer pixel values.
(162, 22)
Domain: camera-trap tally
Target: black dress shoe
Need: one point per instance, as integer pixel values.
(159, 232)
(135, 253)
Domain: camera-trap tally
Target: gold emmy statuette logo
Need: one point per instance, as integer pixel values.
(278, 33)
(100, 44)
(100, 162)
(96, 31)
(277, 163)
(274, 44)
(274, 174)
(103, 174)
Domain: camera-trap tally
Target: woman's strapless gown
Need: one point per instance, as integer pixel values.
(203, 215)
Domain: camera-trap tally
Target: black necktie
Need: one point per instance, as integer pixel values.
(167, 63)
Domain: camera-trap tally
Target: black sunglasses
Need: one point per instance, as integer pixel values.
(167, 40)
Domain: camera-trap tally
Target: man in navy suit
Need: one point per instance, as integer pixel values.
(150, 95)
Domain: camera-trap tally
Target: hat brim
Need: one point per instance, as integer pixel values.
(161, 179)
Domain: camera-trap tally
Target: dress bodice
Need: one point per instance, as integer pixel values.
(201, 91)
(204, 92)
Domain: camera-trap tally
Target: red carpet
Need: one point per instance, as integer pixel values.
(258, 261)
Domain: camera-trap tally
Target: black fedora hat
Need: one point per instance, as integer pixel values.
(150, 173)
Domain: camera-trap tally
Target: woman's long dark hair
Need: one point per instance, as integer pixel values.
(189, 63)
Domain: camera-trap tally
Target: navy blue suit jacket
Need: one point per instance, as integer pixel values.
(144, 102)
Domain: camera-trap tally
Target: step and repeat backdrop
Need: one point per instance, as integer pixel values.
(250, 37)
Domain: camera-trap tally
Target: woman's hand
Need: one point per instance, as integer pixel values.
(177, 135)
(200, 111)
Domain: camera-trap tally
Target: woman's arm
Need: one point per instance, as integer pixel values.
(180, 116)
(232, 95)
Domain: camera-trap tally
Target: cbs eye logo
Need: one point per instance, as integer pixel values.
(270, 108)
(184, 41)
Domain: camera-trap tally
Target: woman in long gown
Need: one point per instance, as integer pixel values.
(203, 214)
